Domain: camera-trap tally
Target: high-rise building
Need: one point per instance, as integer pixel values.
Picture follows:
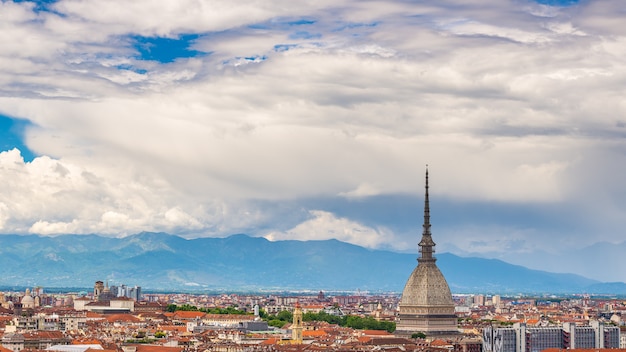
(522, 338)
(479, 300)
(426, 305)
(134, 293)
(495, 300)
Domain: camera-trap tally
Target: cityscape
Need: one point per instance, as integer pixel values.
(124, 318)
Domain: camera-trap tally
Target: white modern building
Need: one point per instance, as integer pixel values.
(521, 338)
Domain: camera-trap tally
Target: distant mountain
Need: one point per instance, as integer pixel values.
(602, 260)
(240, 262)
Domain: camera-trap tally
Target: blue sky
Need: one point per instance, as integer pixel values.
(12, 136)
(315, 120)
(164, 50)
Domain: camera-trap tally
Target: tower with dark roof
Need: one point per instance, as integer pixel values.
(426, 305)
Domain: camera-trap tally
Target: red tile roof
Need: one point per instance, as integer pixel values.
(94, 315)
(127, 318)
(41, 334)
(178, 328)
(182, 314)
(379, 333)
(313, 333)
(270, 341)
(86, 341)
(439, 343)
(157, 348)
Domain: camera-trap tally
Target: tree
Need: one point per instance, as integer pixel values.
(227, 310)
(277, 323)
(285, 315)
(355, 322)
(351, 321)
(418, 335)
(369, 323)
(187, 307)
(263, 314)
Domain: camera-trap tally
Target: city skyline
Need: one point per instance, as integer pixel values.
(315, 120)
(162, 321)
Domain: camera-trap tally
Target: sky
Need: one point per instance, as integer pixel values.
(316, 119)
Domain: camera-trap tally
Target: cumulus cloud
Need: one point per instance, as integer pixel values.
(4, 215)
(49, 197)
(324, 225)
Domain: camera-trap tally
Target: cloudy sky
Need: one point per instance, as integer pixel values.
(316, 119)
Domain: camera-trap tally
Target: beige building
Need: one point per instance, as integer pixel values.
(80, 303)
(123, 303)
(426, 305)
(28, 302)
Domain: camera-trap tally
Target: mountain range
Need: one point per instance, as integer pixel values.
(160, 261)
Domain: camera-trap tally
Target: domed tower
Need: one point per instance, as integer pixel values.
(28, 302)
(426, 305)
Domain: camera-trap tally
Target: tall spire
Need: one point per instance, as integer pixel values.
(427, 243)
(426, 207)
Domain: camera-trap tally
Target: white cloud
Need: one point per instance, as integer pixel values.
(113, 219)
(50, 196)
(324, 225)
(4, 215)
(166, 18)
(476, 28)
(179, 219)
(54, 228)
(363, 190)
(507, 101)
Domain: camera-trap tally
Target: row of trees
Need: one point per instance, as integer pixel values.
(283, 317)
(351, 321)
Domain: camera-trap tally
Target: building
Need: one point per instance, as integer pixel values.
(296, 327)
(224, 320)
(426, 305)
(65, 322)
(35, 340)
(520, 338)
(28, 302)
(98, 288)
(495, 301)
(586, 350)
(577, 337)
(125, 291)
(150, 307)
(81, 303)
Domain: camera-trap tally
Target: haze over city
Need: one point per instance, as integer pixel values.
(314, 120)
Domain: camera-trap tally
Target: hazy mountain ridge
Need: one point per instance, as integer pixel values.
(162, 261)
(589, 261)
